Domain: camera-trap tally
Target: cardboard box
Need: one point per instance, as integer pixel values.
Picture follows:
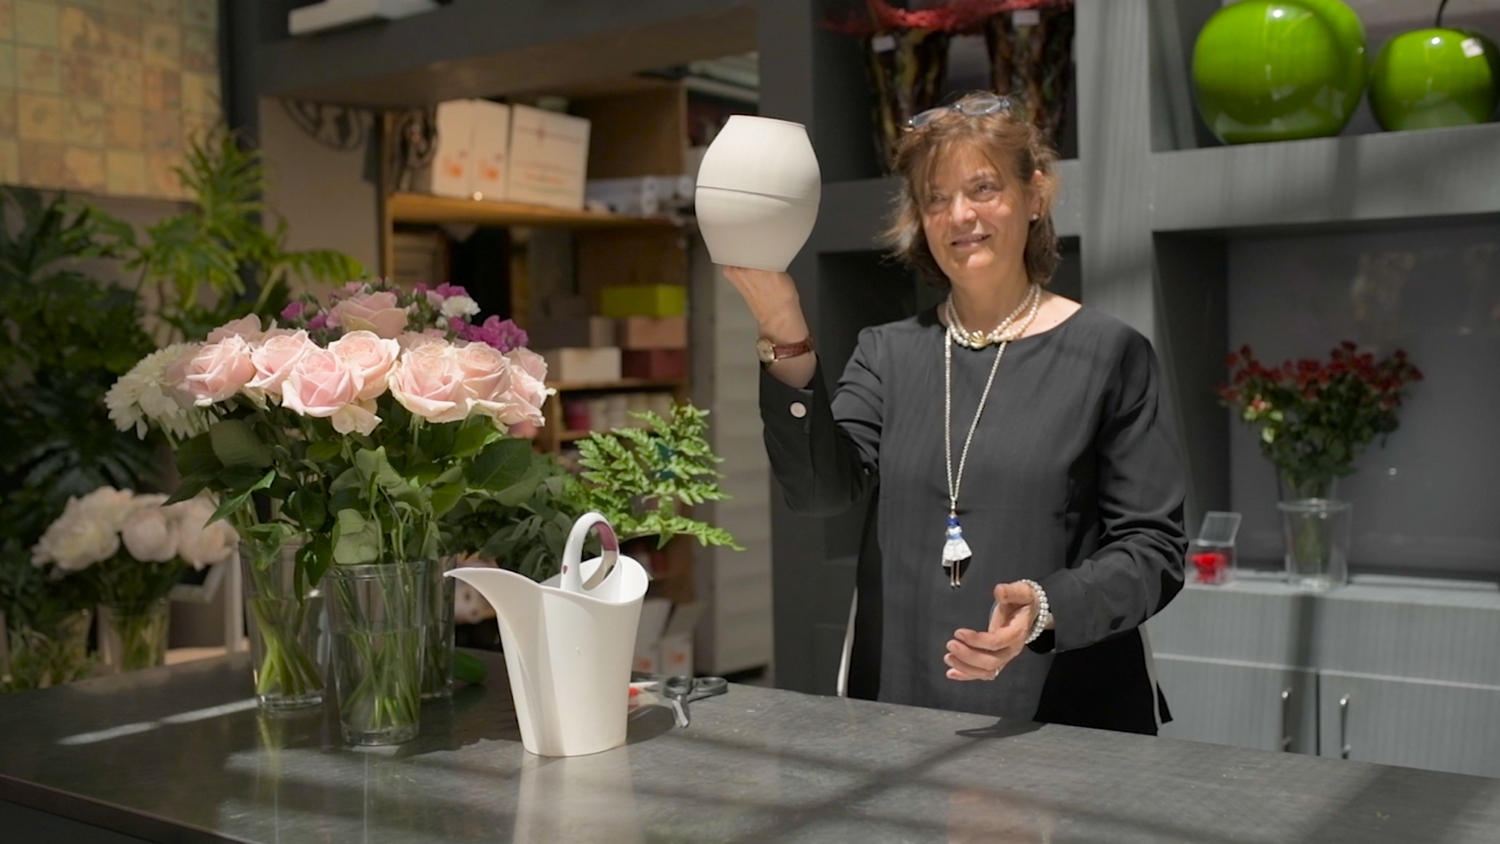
(490, 149)
(549, 155)
(664, 640)
(654, 333)
(649, 300)
(583, 365)
(654, 363)
(451, 172)
(603, 331)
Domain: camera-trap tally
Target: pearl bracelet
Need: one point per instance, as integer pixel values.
(1044, 612)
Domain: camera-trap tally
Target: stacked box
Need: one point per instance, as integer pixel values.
(643, 300)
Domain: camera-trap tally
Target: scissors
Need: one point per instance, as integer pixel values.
(682, 690)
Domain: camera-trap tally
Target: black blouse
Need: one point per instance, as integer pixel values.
(1074, 479)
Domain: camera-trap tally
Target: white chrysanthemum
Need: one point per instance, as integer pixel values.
(141, 396)
(459, 306)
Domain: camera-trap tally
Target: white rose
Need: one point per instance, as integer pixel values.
(199, 543)
(77, 540)
(109, 506)
(459, 306)
(150, 536)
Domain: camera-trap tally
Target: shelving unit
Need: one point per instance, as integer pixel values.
(421, 208)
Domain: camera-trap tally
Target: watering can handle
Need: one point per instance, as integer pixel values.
(573, 553)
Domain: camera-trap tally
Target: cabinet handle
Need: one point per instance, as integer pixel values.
(1344, 727)
(1286, 707)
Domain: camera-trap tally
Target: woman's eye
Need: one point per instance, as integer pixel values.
(985, 190)
(936, 200)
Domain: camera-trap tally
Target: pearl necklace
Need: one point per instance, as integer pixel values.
(978, 339)
(956, 551)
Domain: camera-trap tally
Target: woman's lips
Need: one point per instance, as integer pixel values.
(969, 240)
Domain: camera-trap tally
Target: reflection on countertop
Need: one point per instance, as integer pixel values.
(180, 753)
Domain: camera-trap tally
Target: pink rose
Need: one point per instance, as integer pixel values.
(486, 371)
(321, 385)
(218, 371)
(375, 312)
(429, 382)
(247, 327)
(274, 358)
(528, 385)
(417, 339)
(370, 357)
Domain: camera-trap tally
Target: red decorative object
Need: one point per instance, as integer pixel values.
(1212, 566)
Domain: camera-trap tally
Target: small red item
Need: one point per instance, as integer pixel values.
(1211, 565)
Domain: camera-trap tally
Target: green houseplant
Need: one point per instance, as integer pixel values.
(221, 257)
(64, 338)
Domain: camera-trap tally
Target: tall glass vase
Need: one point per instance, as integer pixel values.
(377, 614)
(288, 641)
(437, 645)
(906, 69)
(45, 656)
(1317, 529)
(1031, 60)
(132, 638)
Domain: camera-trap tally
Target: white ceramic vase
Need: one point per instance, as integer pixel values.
(758, 192)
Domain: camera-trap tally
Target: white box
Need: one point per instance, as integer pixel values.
(549, 155)
(491, 149)
(583, 365)
(664, 640)
(451, 172)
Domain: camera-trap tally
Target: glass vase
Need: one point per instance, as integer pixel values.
(437, 645)
(288, 645)
(42, 657)
(1316, 529)
(132, 638)
(377, 616)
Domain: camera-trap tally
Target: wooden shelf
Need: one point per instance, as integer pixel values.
(616, 386)
(421, 208)
(572, 436)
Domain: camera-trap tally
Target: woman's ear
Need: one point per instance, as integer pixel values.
(1040, 193)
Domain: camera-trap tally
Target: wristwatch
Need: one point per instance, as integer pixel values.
(769, 352)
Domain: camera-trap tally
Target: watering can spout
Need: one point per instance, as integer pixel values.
(569, 643)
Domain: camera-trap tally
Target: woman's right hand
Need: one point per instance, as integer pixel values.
(773, 300)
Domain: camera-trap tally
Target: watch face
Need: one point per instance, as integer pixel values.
(765, 350)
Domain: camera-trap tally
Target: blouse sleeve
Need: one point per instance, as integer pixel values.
(826, 453)
(1139, 565)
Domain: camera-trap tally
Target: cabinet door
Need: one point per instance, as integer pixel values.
(1417, 723)
(1245, 704)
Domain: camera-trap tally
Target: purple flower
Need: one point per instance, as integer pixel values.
(450, 290)
(318, 323)
(293, 310)
(504, 335)
(420, 288)
(458, 326)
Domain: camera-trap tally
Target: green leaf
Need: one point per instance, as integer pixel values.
(471, 439)
(373, 466)
(324, 450)
(468, 669)
(189, 487)
(235, 444)
(307, 508)
(355, 539)
(232, 504)
(315, 556)
(196, 457)
(501, 464)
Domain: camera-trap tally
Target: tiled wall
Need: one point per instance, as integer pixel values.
(101, 95)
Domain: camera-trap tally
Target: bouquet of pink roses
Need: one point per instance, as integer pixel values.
(351, 428)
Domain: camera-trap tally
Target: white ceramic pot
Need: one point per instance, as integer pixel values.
(758, 192)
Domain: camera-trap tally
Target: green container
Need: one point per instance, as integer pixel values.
(1435, 78)
(1278, 70)
(642, 300)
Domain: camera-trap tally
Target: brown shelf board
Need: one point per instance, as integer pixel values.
(572, 436)
(421, 208)
(616, 386)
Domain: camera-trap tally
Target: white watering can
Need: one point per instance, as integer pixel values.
(569, 643)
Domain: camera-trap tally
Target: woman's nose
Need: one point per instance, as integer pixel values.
(962, 211)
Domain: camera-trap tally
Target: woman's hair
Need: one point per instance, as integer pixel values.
(1012, 144)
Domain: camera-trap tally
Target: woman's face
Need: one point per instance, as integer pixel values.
(975, 217)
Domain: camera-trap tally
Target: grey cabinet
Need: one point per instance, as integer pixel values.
(1417, 723)
(1266, 707)
(1401, 671)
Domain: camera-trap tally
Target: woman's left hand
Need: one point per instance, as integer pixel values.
(982, 655)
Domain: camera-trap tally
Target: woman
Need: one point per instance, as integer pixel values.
(1010, 563)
